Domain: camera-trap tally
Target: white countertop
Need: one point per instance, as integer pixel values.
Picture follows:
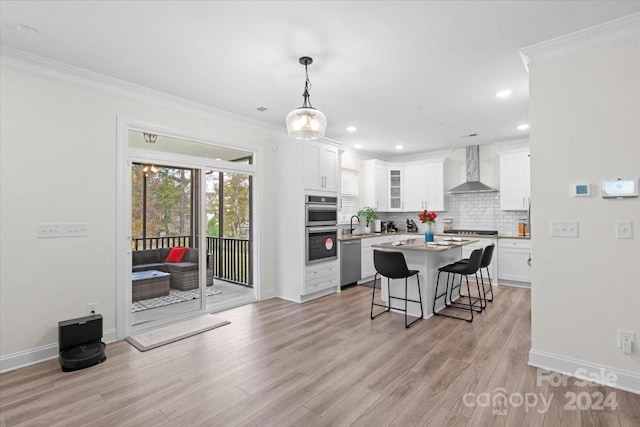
(418, 244)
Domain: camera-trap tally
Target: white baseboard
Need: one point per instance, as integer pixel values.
(228, 305)
(32, 356)
(625, 380)
(271, 293)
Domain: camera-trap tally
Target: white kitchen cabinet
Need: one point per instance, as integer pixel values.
(405, 187)
(321, 276)
(375, 192)
(301, 168)
(367, 269)
(513, 261)
(321, 165)
(424, 186)
(434, 174)
(481, 244)
(514, 180)
(395, 180)
(415, 187)
(381, 189)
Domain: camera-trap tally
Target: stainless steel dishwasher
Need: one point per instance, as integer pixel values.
(350, 253)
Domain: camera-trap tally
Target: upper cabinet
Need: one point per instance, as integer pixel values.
(415, 188)
(320, 167)
(375, 192)
(395, 182)
(514, 180)
(404, 187)
(424, 186)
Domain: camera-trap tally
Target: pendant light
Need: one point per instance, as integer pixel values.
(306, 122)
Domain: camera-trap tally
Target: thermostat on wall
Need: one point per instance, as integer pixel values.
(580, 190)
(620, 187)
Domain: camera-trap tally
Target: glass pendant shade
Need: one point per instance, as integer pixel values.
(306, 123)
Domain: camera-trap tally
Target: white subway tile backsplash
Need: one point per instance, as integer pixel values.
(475, 211)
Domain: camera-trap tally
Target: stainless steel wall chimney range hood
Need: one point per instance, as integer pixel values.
(473, 184)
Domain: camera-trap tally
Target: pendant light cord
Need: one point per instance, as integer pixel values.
(307, 86)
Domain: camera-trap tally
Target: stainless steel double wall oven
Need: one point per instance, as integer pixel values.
(321, 229)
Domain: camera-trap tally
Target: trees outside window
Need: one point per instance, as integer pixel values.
(160, 201)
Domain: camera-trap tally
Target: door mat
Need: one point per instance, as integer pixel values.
(175, 296)
(171, 333)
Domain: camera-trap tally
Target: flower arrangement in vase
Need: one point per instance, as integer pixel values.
(429, 219)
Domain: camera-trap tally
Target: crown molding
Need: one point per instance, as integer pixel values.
(429, 157)
(17, 60)
(515, 145)
(618, 31)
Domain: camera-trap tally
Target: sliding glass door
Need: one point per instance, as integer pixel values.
(229, 237)
(189, 227)
(165, 277)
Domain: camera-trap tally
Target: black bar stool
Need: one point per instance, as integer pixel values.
(392, 265)
(463, 269)
(487, 255)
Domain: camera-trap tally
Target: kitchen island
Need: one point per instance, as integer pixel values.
(426, 258)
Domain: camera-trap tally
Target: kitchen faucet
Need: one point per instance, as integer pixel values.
(351, 223)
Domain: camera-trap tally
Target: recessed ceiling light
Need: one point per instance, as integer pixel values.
(358, 146)
(523, 126)
(504, 93)
(399, 147)
(351, 129)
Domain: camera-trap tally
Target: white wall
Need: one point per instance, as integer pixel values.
(350, 160)
(58, 164)
(585, 125)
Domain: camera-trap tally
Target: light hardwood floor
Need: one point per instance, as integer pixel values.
(324, 363)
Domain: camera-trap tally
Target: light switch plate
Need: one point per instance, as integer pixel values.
(624, 230)
(47, 231)
(76, 229)
(563, 229)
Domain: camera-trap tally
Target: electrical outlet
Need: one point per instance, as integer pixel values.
(92, 308)
(626, 340)
(624, 230)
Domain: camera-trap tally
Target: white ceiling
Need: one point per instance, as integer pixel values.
(420, 74)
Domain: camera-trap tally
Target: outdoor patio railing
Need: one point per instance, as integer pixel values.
(231, 257)
(140, 244)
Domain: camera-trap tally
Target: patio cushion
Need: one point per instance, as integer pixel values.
(182, 266)
(147, 257)
(176, 254)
